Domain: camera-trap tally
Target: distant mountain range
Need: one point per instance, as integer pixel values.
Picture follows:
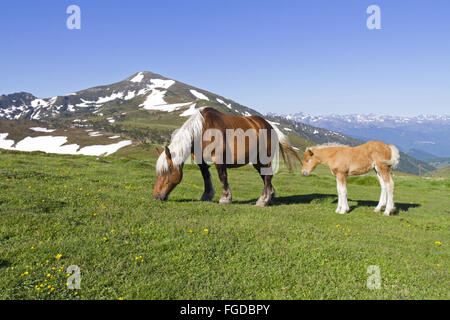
(127, 116)
(424, 137)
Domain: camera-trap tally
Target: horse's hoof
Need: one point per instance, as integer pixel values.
(376, 210)
(207, 197)
(225, 201)
(387, 213)
(261, 203)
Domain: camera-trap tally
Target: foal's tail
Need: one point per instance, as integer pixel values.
(290, 157)
(395, 157)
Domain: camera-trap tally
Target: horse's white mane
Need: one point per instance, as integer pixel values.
(181, 143)
(326, 145)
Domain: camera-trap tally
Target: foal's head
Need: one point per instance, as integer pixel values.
(167, 179)
(310, 162)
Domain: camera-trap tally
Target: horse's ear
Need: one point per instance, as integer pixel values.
(167, 151)
(159, 151)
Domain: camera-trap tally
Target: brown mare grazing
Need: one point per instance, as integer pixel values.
(169, 166)
(348, 161)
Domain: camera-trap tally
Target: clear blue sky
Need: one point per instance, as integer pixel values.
(284, 56)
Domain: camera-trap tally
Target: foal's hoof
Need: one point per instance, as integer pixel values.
(389, 212)
(376, 210)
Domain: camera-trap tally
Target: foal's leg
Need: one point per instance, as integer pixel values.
(226, 192)
(341, 181)
(383, 194)
(385, 172)
(268, 192)
(338, 186)
(390, 194)
(209, 192)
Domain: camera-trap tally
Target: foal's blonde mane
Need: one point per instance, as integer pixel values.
(181, 143)
(326, 145)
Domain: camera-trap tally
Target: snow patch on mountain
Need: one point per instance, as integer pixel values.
(39, 129)
(4, 143)
(223, 102)
(114, 96)
(167, 107)
(104, 150)
(155, 98)
(56, 144)
(198, 95)
(138, 77)
(160, 83)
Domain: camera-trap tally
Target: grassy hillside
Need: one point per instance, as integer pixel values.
(57, 211)
(441, 173)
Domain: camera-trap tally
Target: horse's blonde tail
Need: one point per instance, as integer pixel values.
(290, 157)
(395, 157)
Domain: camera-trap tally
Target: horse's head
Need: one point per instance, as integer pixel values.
(310, 162)
(167, 179)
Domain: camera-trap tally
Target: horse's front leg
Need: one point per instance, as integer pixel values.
(209, 192)
(268, 192)
(223, 176)
(341, 182)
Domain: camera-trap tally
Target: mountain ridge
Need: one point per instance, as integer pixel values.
(426, 134)
(144, 108)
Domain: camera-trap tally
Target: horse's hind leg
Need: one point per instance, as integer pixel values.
(341, 182)
(383, 194)
(384, 172)
(223, 176)
(268, 192)
(209, 192)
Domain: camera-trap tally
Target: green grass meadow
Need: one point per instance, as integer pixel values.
(61, 210)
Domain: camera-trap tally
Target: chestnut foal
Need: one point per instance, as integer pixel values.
(348, 161)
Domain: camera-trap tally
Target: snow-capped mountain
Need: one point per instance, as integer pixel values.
(427, 133)
(96, 120)
(160, 94)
